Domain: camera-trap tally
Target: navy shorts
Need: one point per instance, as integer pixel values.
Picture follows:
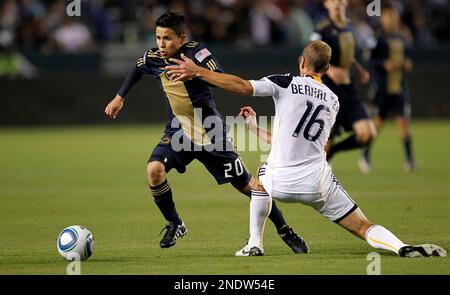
(397, 104)
(226, 166)
(352, 108)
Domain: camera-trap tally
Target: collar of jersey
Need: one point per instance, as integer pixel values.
(316, 78)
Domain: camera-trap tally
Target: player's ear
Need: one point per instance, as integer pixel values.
(183, 38)
(326, 70)
(302, 63)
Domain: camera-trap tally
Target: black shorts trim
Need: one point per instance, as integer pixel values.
(346, 214)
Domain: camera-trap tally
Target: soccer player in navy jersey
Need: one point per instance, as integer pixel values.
(185, 101)
(391, 62)
(336, 30)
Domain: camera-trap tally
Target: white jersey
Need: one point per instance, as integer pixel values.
(305, 112)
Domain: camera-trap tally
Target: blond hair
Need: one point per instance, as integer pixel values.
(317, 55)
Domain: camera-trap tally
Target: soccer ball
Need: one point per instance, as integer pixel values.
(75, 243)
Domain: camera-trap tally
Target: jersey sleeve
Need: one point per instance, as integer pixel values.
(316, 35)
(144, 66)
(379, 54)
(263, 87)
(319, 30)
(149, 63)
(271, 85)
(204, 58)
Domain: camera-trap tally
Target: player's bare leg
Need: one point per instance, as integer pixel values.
(286, 233)
(403, 125)
(162, 195)
(381, 238)
(364, 132)
(328, 146)
(364, 162)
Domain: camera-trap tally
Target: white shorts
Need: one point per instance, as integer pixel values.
(331, 200)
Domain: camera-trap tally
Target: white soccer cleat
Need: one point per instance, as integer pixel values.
(247, 251)
(412, 166)
(425, 250)
(364, 165)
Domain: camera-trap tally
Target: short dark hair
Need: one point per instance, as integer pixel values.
(174, 21)
(390, 7)
(317, 55)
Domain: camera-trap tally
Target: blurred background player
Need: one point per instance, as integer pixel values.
(391, 63)
(336, 30)
(184, 99)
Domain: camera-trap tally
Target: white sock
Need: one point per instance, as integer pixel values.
(260, 206)
(381, 238)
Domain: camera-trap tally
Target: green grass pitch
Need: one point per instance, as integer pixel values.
(95, 176)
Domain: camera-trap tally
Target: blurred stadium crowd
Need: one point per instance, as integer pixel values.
(43, 25)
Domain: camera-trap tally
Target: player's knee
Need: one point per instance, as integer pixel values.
(156, 172)
(256, 183)
(365, 134)
(363, 138)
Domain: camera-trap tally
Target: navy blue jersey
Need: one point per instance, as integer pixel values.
(389, 48)
(189, 103)
(341, 41)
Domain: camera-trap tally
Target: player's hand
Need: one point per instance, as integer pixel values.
(185, 69)
(388, 66)
(250, 117)
(337, 74)
(408, 65)
(113, 108)
(364, 77)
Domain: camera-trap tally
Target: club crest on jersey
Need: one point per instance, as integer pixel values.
(202, 54)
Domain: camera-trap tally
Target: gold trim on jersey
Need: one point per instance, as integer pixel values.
(317, 78)
(397, 58)
(192, 44)
(183, 109)
(140, 62)
(347, 53)
(212, 65)
(323, 24)
(155, 54)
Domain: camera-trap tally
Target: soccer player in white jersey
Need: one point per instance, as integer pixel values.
(297, 170)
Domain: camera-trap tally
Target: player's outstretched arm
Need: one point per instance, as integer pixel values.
(250, 119)
(113, 108)
(186, 69)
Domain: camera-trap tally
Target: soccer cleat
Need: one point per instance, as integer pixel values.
(173, 232)
(293, 240)
(364, 165)
(425, 250)
(247, 251)
(412, 166)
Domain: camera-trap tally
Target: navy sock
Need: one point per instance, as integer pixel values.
(347, 144)
(366, 152)
(162, 195)
(408, 149)
(276, 216)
